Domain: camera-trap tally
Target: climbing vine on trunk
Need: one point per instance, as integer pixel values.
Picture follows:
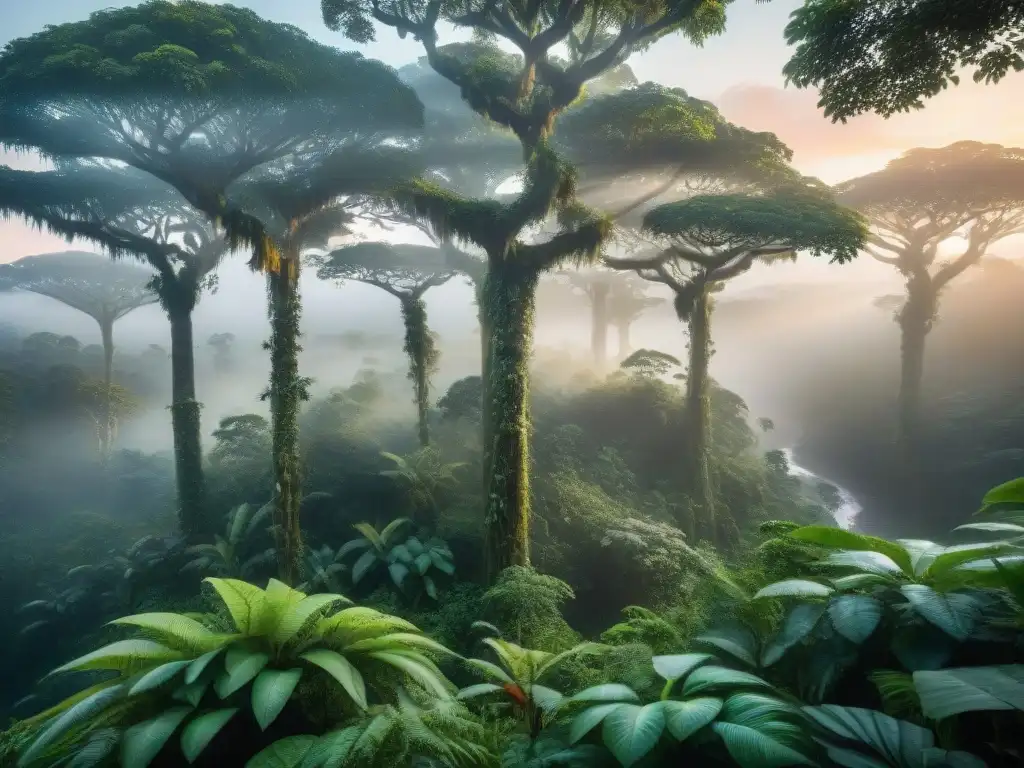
(286, 393)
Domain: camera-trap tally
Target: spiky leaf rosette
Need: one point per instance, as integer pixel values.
(887, 56)
(795, 219)
(194, 93)
(279, 637)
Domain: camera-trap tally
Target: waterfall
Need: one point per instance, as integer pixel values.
(846, 514)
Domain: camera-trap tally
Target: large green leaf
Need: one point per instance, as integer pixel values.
(271, 691)
(292, 623)
(97, 749)
(738, 642)
(1009, 493)
(363, 565)
(198, 734)
(678, 666)
(480, 689)
(244, 601)
(685, 718)
(589, 719)
(1007, 528)
(286, 753)
(753, 748)
(839, 538)
(123, 656)
(953, 613)
(855, 617)
(630, 731)
(80, 712)
(142, 742)
(875, 563)
(947, 692)
(426, 677)
(706, 678)
(800, 622)
(341, 669)
(606, 692)
(952, 557)
(794, 588)
(895, 743)
(240, 666)
(197, 667)
(176, 631)
(922, 553)
(158, 676)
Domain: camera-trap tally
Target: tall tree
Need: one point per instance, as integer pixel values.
(302, 203)
(616, 300)
(404, 271)
(708, 240)
(626, 303)
(888, 56)
(131, 213)
(193, 93)
(104, 290)
(967, 190)
(523, 93)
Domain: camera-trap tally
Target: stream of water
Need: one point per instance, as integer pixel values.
(846, 514)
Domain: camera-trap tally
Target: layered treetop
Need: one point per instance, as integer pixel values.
(89, 282)
(193, 93)
(402, 267)
(180, 49)
(887, 56)
(964, 178)
(794, 219)
(652, 127)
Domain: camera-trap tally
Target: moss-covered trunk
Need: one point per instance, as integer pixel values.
(697, 472)
(286, 395)
(422, 353)
(185, 424)
(486, 429)
(106, 420)
(915, 321)
(599, 325)
(509, 302)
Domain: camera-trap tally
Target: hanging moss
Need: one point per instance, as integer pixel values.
(421, 348)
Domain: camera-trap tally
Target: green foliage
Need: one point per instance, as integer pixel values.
(650, 363)
(889, 56)
(528, 606)
(233, 555)
(413, 566)
(427, 480)
(793, 218)
(274, 639)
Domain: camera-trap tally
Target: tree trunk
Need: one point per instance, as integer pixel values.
(915, 320)
(185, 425)
(106, 426)
(509, 301)
(419, 347)
(599, 325)
(625, 345)
(697, 471)
(486, 430)
(287, 391)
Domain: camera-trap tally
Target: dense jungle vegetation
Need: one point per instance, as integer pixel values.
(539, 563)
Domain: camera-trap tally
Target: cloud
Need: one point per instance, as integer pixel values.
(971, 111)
